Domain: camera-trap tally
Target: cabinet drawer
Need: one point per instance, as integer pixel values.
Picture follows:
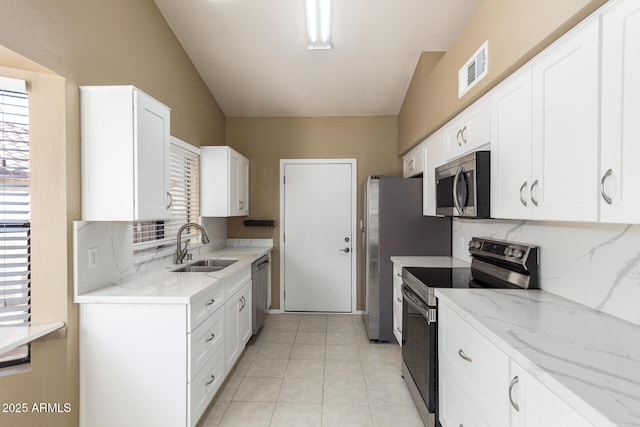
(204, 305)
(455, 407)
(235, 281)
(205, 385)
(474, 361)
(205, 340)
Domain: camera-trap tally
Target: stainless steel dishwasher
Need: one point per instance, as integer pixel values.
(260, 272)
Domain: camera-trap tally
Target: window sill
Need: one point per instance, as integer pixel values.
(12, 337)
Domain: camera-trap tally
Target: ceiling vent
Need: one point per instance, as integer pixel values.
(474, 70)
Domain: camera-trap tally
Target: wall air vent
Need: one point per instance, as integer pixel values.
(474, 70)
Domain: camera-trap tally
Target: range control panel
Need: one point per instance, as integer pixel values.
(507, 252)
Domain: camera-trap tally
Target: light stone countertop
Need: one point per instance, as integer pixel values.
(588, 358)
(167, 287)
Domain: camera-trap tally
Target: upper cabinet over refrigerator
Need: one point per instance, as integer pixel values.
(224, 182)
(125, 155)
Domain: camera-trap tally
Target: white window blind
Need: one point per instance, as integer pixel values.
(15, 234)
(185, 207)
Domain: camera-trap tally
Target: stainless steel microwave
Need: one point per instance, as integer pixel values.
(463, 186)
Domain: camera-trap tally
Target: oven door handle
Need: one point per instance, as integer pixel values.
(414, 300)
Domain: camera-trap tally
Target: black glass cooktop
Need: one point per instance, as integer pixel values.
(453, 277)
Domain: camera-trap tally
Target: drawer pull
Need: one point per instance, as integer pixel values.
(464, 356)
(399, 274)
(399, 299)
(213, 378)
(398, 329)
(211, 302)
(211, 337)
(514, 381)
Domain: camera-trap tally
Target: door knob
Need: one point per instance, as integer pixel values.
(345, 250)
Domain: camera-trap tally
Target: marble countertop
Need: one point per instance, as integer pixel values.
(429, 261)
(167, 287)
(588, 358)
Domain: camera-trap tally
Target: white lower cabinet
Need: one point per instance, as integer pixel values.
(238, 324)
(397, 301)
(479, 385)
(161, 364)
(532, 404)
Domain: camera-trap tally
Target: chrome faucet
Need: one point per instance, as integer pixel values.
(182, 253)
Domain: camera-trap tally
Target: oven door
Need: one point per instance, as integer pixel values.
(419, 351)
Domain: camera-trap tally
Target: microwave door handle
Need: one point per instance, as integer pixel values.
(456, 179)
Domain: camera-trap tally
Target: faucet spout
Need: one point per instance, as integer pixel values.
(182, 253)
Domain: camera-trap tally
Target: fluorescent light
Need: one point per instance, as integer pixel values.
(318, 14)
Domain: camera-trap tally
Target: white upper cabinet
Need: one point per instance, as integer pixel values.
(511, 146)
(413, 162)
(620, 153)
(469, 130)
(224, 182)
(435, 154)
(544, 133)
(125, 155)
(565, 79)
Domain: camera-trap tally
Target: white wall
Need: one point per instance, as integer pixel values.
(597, 265)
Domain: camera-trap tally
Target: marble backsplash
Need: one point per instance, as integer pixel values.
(597, 265)
(116, 263)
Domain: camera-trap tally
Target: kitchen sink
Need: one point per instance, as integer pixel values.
(205, 266)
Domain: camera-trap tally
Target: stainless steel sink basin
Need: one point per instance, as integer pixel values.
(205, 266)
(213, 263)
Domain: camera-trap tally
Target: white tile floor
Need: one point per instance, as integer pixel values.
(315, 370)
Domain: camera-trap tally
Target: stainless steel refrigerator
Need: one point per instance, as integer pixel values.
(394, 225)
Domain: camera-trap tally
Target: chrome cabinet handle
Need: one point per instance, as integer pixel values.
(213, 378)
(464, 356)
(243, 303)
(399, 274)
(345, 250)
(514, 381)
(411, 164)
(458, 138)
(399, 299)
(211, 337)
(398, 329)
(605, 196)
(535, 184)
(170, 200)
(464, 139)
(240, 205)
(211, 302)
(522, 187)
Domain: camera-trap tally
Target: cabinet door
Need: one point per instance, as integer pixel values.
(468, 130)
(435, 154)
(511, 146)
(397, 302)
(532, 404)
(413, 162)
(620, 153)
(151, 153)
(245, 315)
(232, 328)
(565, 126)
(238, 184)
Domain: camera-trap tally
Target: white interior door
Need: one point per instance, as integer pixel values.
(317, 231)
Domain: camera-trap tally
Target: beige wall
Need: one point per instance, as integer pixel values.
(85, 43)
(516, 31)
(370, 140)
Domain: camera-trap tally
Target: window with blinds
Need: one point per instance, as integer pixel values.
(185, 194)
(15, 234)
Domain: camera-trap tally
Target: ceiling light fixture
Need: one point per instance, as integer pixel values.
(318, 13)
